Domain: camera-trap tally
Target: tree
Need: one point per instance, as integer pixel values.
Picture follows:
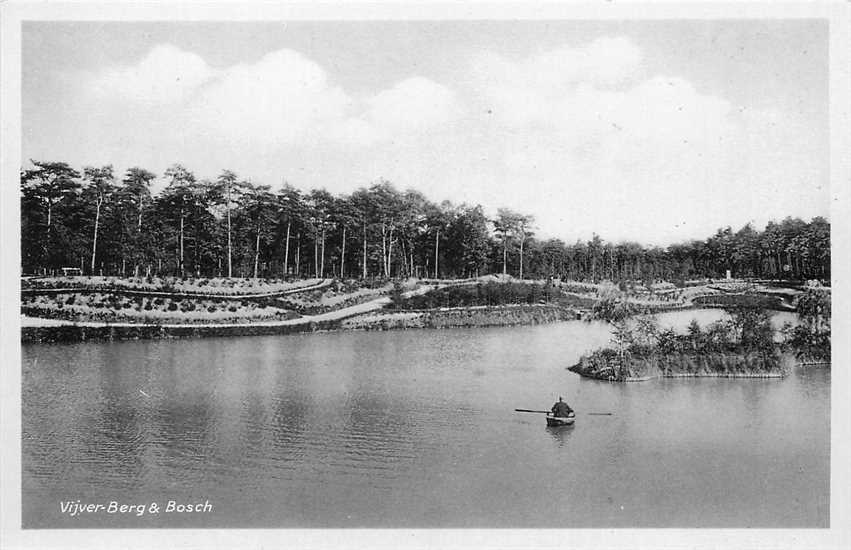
(524, 231)
(386, 208)
(753, 328)
(48, 184)
(811, 337)
(468, 240)
(226, 192)
(100, 186)
(179, 196)
(137, 191)
(346, 216)
(290, 207)
(505, 226)
(319, 207)
(259, 206)
(437, 220)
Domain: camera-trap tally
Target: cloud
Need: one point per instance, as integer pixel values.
(594, 142)
(281, 99)
(165, 74)
(586, 138)
(525, 91)
(414, 106)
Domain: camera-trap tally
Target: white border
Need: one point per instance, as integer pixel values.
(11, 15)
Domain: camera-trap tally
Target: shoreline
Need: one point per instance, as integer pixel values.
(368, 316)
(688, 375)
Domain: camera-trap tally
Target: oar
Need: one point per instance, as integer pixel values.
(548, 412)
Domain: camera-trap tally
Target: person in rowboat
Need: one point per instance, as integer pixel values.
(561, 409)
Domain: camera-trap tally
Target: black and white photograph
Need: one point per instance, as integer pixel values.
(499, 271)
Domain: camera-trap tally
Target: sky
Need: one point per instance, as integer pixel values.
(649, 131)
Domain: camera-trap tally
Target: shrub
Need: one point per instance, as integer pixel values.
(232, 308)
(158, 301)
(212, 309)
(611, 305)
(172, 306)
(71, 299)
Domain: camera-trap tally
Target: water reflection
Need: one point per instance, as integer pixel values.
(560, 434)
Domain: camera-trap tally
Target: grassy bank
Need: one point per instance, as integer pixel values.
(491, 293)
(480, 316)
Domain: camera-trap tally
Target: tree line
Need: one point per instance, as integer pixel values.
(113, 224)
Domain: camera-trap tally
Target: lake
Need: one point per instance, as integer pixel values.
(414, 429)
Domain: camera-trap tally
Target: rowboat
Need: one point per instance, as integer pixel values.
(553, 420)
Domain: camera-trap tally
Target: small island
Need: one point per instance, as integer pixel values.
(744, 346)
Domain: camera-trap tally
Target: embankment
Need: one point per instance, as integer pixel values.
(477, 316)
(82, 333)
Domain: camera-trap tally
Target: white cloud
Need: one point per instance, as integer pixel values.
(595, 145)
(525, 91)
(586, 138)
(281, 99)
(412, 107)
(165, 74)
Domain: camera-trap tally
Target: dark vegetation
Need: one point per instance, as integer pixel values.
(810, 338)
(490, 294)
(105, 223)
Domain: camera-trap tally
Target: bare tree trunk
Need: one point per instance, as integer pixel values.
(180, 267)
(322, 256)
(384, 248)
(316, 254)
(390, 252)
(230, 265)
(287, 250)
(436, 248)
(343, 255)
(95, 240)
(521, 256)
(298, 256)
(364, 250)
(138, 238)
(504, 256)
(256, 251)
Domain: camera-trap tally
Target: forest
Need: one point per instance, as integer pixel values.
(104, 223)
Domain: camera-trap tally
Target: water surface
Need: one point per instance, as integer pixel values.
(413, 429)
